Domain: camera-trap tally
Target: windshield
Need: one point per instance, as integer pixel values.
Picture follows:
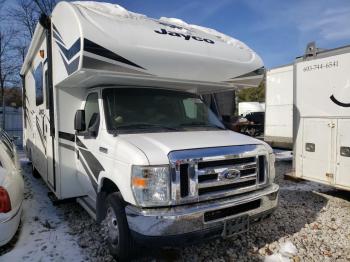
(156, 110)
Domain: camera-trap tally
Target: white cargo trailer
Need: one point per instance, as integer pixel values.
(322, 116)
(113, 117)
(279, 107)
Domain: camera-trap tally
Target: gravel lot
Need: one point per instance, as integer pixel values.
(314, 218)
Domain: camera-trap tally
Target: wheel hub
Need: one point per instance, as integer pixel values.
(111, 223)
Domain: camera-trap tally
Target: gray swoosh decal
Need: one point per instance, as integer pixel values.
(72, 66)
(97, 64)
(93, 163)
(70, 52)
(96, 49)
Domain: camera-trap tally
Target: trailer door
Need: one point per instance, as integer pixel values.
(343, 153)
(318, 143)
(50, 176)
(39, 156)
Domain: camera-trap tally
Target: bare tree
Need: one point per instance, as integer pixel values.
(46, 6)
(25, 14)
(9, 65)
(16, 33)
(21, 47)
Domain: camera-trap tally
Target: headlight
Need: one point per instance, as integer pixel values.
(151, 185)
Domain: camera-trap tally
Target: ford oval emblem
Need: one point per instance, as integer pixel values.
(230, 174)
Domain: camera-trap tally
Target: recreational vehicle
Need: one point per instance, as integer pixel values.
(113, 117)
(322, 116)
(278, 131)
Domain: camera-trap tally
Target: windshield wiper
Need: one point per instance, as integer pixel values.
(202, 124)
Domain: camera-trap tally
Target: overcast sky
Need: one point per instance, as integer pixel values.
(278, 30)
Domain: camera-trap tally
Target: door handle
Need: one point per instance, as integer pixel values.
(310, 147)
(345, 151)
(103, 150)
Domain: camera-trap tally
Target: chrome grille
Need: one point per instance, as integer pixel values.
(245, 168)
(210, 173)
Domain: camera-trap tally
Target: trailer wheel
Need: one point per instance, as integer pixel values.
(29, 154)
(35, 172)
(116, 229)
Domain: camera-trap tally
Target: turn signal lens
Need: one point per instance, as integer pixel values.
(5, 203)
(139, 182)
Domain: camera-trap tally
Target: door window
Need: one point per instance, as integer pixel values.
(92, 113)
(38, 77)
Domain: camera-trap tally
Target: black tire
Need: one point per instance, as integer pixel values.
(29, 154)
(35, 172)
(116, 228)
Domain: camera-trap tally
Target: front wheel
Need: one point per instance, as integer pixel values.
(116, 229)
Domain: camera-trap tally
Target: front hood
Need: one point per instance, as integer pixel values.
(156, 146)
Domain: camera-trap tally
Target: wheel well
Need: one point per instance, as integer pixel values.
(108, 187)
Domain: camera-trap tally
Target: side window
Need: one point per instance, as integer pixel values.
(38, 77)
(92, 112)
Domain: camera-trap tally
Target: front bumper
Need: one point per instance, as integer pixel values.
(190, 222)
(9, 225)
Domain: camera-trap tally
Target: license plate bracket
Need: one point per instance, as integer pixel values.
(235, 226)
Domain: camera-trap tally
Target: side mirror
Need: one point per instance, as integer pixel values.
(79, 121)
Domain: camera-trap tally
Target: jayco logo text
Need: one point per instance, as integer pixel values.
(184, 36)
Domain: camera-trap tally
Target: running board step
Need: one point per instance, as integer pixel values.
(55, 201)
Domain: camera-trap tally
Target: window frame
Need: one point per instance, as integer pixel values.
(38, 72)
(105, 109)
(95, 92)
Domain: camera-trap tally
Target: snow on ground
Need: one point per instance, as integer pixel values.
(43, 235)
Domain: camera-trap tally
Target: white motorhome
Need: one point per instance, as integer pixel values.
(322, 116)
(113, 117)
(278, 129)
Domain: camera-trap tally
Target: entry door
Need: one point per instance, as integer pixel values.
(40, 137)
(343, 153)
(87, 144)
(49, 138)
(318, 160)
